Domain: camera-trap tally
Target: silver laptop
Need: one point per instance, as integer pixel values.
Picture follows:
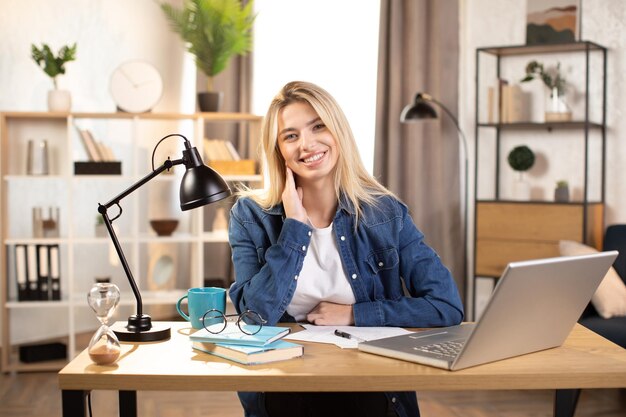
(534, 306)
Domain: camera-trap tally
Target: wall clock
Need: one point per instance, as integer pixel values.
(136, 87)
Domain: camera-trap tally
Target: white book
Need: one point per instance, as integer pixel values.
(234, 155)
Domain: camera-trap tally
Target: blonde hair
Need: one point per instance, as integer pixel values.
(351, 177)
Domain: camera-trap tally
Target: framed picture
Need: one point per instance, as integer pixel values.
(552, 21)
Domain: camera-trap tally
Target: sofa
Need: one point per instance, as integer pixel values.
(614, 327)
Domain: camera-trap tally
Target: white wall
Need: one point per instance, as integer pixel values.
(107, 32)
(325, 42)
(502, 22)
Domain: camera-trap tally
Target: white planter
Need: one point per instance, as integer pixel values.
(59, 101)
(521, 189)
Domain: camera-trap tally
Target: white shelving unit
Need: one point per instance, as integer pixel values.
(83, 255)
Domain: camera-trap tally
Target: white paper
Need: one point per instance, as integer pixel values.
(326, 334)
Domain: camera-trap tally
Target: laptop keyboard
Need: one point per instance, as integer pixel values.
(449, 349)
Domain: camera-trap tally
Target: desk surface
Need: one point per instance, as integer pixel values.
(585, 360)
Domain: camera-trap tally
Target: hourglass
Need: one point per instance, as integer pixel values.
(104, 348)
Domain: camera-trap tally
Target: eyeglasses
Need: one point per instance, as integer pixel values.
(249, 322)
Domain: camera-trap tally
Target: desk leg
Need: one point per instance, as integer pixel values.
(128, 403)
(565, 401)
(74, 403)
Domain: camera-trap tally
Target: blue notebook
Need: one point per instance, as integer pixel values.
(251, 355)
(234, 336)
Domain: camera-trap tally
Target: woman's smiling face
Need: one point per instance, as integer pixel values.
(307, 146)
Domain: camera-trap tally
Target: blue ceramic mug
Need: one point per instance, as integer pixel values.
(199, 301)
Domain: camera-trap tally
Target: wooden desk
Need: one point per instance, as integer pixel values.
(585, 360)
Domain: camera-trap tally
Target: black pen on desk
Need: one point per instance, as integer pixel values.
(348, 336)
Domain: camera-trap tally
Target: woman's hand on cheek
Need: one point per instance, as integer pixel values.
(331, 314)
(292, 199)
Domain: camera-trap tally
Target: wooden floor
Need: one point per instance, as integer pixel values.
(37, 394)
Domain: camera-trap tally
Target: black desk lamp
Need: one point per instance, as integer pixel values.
(200, 185)
(421, 109)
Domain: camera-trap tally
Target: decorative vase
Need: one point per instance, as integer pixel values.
(561, 194)
(59, 101)
(556, 109)
(210, 101)
(521, 188)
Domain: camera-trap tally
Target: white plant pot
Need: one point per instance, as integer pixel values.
(59, 101)
(521, 189)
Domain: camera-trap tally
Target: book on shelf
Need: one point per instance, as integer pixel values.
(96, 151)
(252, 355)
(514, 104)
(220, 150)
(234, 336)
(234, 155)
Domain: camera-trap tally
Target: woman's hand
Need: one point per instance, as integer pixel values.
(331, 314)
(292, 199)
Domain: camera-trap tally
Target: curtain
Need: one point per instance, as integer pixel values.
(419, 162)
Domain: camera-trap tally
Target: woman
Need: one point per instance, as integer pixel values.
(325, 243)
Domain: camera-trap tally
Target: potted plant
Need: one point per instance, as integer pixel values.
(58, 100)
(101, 229)
(556, 107)
(561, 192)
(521, 159)
(215, 31)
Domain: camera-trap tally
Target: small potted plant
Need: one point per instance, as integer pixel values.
(521, 159)
(561, 192)
(215, 31)
(58, 100)
(556, 108)
(101, 229)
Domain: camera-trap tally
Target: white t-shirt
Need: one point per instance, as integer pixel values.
(322, 277)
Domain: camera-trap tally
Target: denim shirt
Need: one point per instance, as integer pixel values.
(384, 251)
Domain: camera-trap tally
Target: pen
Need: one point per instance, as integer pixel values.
(348, 336)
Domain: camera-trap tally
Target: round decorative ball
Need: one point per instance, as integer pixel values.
(521, 158)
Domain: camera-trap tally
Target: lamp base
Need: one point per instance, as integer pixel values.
(159, 332)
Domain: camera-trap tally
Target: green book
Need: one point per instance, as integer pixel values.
(251, 355)
(232, 335)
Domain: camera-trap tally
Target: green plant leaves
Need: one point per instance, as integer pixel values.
(215, 30)
(551, 77)
(521, 158)
(51, 64)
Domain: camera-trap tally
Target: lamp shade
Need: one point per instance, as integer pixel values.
(200, 185)
(418, 110)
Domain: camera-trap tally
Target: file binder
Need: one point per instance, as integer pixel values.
(42, 272)
(20, 273)
(31, 272)
(55, 276)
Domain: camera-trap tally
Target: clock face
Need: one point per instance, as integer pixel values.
(136, 86)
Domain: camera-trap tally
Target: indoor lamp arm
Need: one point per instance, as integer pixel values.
(200, 186)
(103, 210)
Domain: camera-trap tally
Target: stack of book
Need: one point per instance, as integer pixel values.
(96, 151)
(224, 158)
(262, 347)
(100, 158)
(508, 103)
